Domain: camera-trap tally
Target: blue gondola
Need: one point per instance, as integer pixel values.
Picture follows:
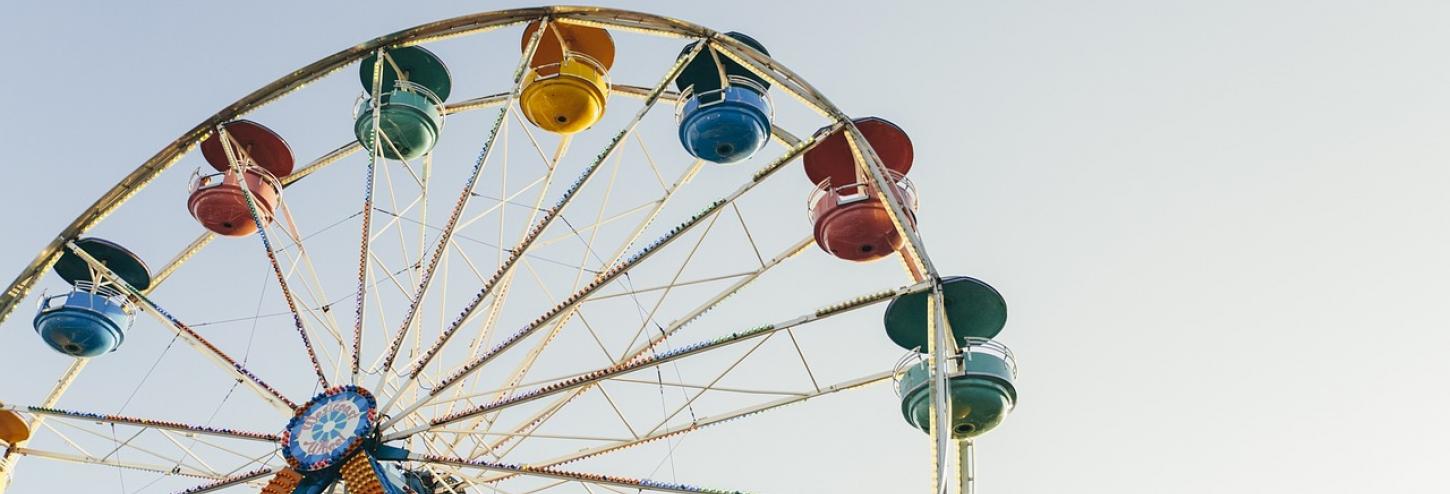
(725, 115)
(92, 319)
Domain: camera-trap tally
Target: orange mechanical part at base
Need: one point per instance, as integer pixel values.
(283, 483)
(359, 476)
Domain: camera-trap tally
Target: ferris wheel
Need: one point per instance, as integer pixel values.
(457, 299)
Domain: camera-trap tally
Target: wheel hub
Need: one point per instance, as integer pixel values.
(329, 428)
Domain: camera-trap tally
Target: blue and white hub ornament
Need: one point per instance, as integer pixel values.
(330, 428)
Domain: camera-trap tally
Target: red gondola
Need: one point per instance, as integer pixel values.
(850, 220)
(217, 200)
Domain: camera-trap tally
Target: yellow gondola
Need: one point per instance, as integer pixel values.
(567, 86)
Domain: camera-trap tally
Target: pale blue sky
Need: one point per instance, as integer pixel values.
(1219, 226)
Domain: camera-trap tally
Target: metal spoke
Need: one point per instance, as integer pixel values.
(599, 223)
(232, 480)
(458, 208)
(588, 250)
(295, 264)
(617, 412)
(671, 384)
(674, 326)
(184, 449)
(504, 271)
(235, 160)
(753, 248)
(365, 248)
(144, 467)
(711, 385)
(662, 358)
(267, 392)
(533, 234)
(119, 445)
(66, 439)
(804, 363)
(312, 284)
(644, 323)
(616, 270)
(144, 422)
(472, 432)
(640, 291)
(703, 422)
(648, 158)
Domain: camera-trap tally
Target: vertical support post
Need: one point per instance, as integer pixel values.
(364, 269)
(941, 345)
(938, 356)
(966, 466)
